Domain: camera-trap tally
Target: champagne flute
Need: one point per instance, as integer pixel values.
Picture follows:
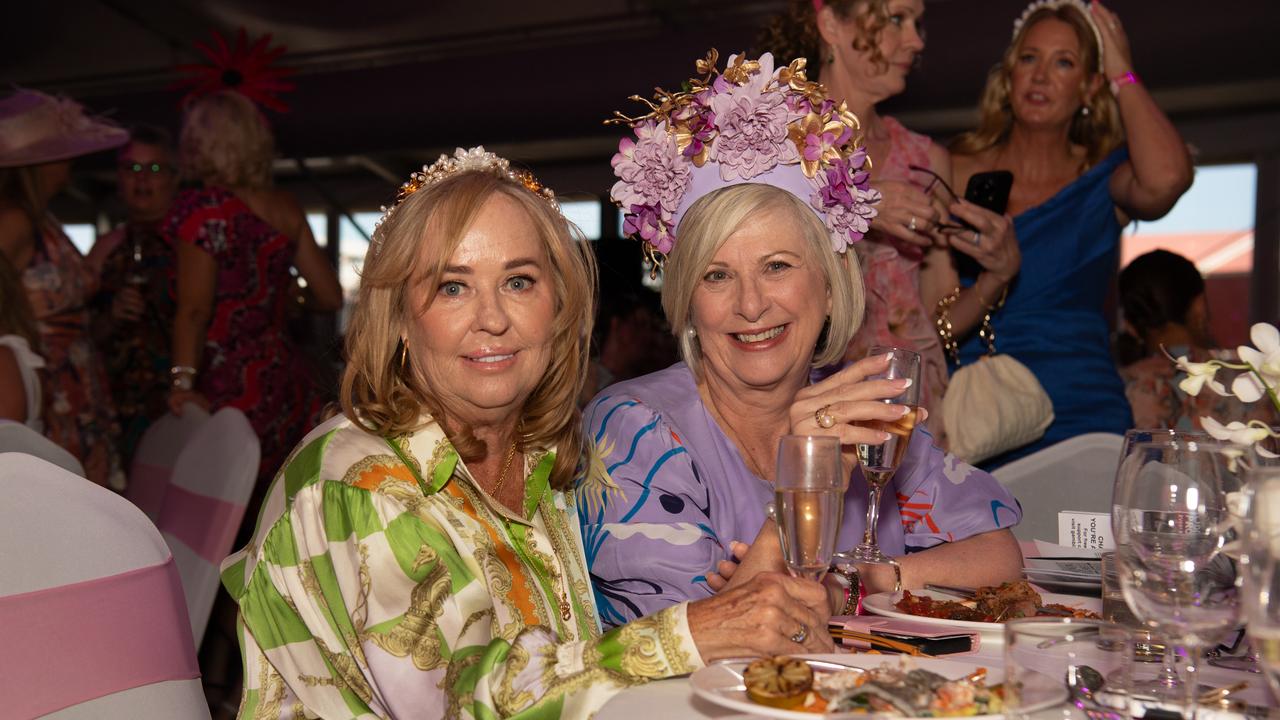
(880, 462)
(1171, 521)
(809, 502)
(1260, 571)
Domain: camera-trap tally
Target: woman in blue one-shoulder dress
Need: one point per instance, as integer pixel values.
(1089, 150)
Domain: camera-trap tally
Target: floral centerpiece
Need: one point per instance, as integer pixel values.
(1259, 377)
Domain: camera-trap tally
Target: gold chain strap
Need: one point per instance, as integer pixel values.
(986, 331)
(942, 321)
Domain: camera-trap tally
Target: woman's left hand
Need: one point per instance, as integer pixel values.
(994, 244)
(764, 554)
(1116, 59)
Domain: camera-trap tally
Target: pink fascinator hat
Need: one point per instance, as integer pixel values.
(38, 128)
(750, 123)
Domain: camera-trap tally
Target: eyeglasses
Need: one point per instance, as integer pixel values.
(145, 168)
(928, 190)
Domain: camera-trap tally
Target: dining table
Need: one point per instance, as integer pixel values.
(675, 697)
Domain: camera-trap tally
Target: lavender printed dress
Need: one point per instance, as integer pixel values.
(684, 493)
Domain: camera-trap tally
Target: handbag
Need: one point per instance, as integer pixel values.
(993, 405)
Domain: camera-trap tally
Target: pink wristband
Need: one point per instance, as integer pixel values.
(1120, 81)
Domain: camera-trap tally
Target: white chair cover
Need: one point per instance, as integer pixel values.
(204, 505)
(157, 452)
(59, 530)
(16, 437)
(1075, 474)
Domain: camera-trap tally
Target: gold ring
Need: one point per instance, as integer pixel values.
(823, 417)
(800, 635)
(912, 225)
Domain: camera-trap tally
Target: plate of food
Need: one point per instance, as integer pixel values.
(843, 687)
(984, 613)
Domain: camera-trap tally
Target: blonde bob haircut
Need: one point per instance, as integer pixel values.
(225, 141)
(710, 222)
(1099, 132)
(381, 393)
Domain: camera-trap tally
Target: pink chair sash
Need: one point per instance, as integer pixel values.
(147, 486)
(70, 644)
(205, 524)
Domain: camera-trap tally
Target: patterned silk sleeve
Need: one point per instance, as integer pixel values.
(367, 599)
(943, 499)
(649, 543)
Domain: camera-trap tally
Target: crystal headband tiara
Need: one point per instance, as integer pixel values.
(475, 159)
(747, 124)
(1078, 5)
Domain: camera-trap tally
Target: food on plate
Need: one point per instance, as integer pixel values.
(897, 689)
(779, 682)
(990, 604)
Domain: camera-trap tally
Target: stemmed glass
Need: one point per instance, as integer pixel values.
(808, 503)
(1170, 523)
(1260, 571)
(880, 462)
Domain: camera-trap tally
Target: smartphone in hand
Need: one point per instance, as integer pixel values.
(990, 190)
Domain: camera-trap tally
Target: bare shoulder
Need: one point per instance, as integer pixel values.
(965, 166)
(939, 160)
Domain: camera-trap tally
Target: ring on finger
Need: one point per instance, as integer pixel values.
(912, 225)
(801, 634)
(977, 238)
(823, 417)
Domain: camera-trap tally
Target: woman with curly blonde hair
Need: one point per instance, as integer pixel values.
(419, 555)
(1089, 150)
(863, 50)
(236, 240)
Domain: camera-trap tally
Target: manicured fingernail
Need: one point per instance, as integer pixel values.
(884, 436)
(905, 409)
(906, 382)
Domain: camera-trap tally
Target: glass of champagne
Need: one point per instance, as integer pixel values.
(1260, 571)
(880, 462)
(809, 502)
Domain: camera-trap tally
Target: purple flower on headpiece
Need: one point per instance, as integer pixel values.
(650, 225)
(651, 169)
(845, 201)
(753, 126)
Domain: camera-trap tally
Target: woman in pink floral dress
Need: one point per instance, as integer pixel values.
(41, 134)
(862, 50)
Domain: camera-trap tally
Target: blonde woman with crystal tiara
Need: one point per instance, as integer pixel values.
(1089, 150)
(863, 51)
(418, 556)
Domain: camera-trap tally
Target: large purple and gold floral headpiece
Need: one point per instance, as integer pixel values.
(747, 124)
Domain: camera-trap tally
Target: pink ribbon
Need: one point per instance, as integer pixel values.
(147, 485)
(70, 644)
(205, 524)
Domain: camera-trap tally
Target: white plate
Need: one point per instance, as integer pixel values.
(721, 683)
(992, 633)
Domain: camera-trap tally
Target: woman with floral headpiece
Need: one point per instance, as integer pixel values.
(1089, 150)
(749, 187)
(418, 556)
(39, 137)
(862, 51)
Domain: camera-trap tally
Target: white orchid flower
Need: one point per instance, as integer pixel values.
(1265, 360)
(1198, 375)
(1235, 432)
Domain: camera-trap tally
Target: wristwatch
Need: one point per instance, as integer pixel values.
(853, 588)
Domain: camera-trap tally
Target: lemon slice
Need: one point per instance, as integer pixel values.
(779, 682)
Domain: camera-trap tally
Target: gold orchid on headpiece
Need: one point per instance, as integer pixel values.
(475, 159)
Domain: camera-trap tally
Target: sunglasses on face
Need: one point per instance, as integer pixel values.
(145, 168)
(934, 182)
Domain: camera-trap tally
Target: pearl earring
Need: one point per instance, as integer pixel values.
(1084, 110)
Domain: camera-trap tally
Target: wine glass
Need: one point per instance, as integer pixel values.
(1170, 522)
(808, 502)
(1260, 571)
(880, 462)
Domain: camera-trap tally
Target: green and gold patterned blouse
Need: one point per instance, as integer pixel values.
(381, 582)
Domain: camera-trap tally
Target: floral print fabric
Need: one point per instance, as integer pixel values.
(382, 582)
(78, 412)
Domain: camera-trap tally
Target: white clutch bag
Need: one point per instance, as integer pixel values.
(993, 406)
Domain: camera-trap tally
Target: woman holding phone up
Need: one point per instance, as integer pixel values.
(862, 50)
(1089, 150)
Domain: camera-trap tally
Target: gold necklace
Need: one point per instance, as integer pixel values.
(502, 477)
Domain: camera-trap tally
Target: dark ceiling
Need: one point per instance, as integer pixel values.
(383, 86)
